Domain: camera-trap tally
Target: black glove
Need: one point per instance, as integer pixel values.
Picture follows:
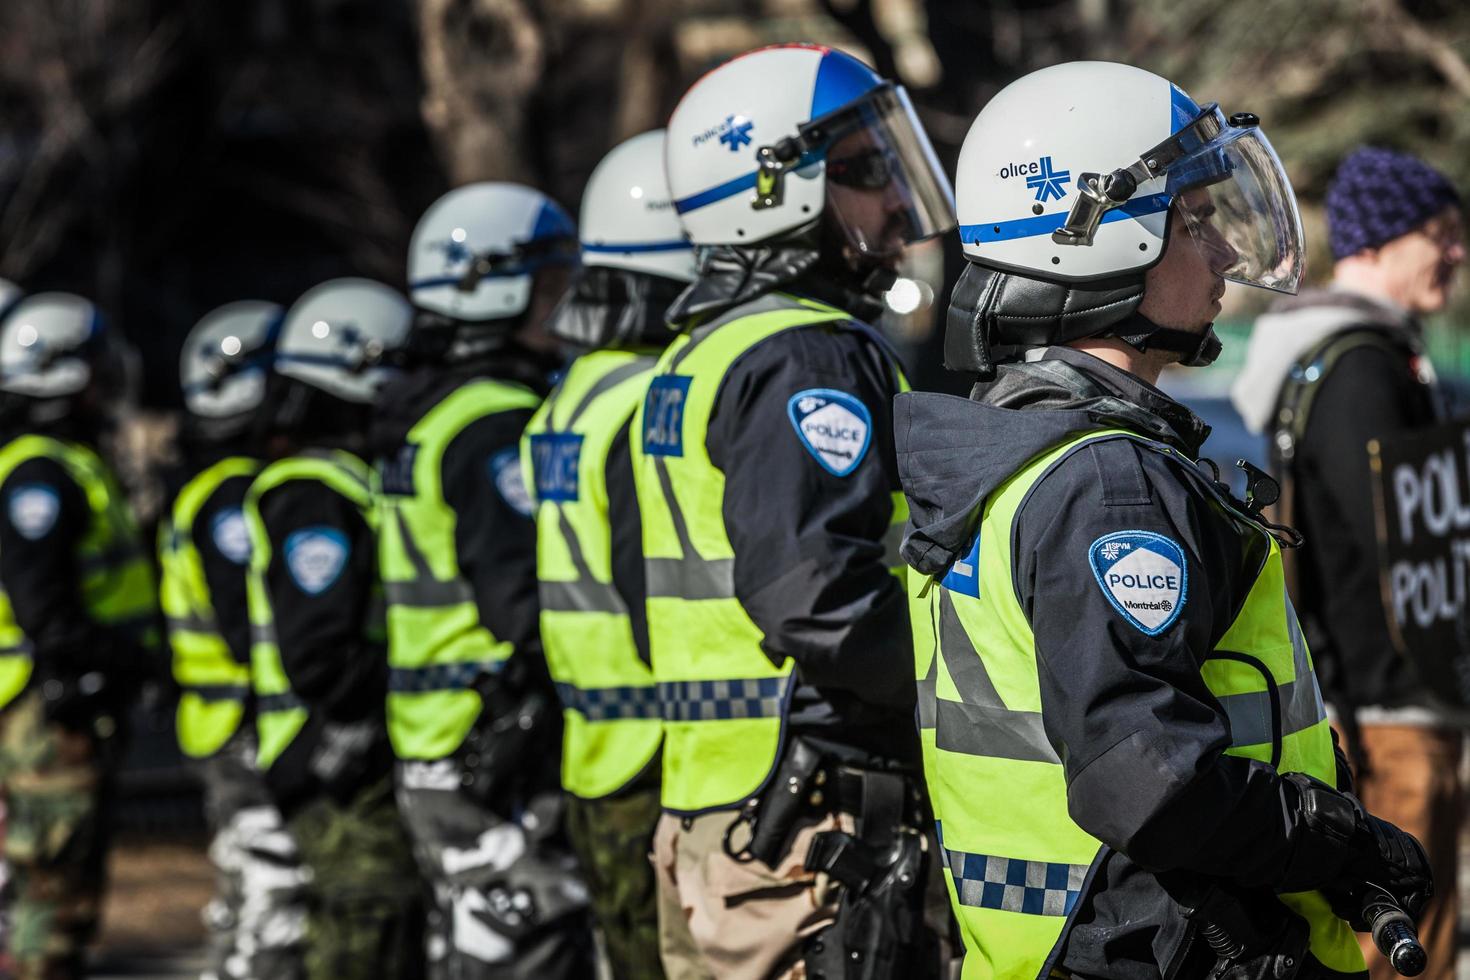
(1340, 848)
(1390, 858)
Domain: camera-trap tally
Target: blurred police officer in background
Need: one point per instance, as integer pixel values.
(256, 918)
(78, 620)
(318, 664)
(770, 508)
(635, 262)
(471, 710)
(1326, 372)
(1102, 634)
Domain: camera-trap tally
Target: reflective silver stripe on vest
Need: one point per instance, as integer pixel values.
(892, 542)
(263, 633)
(423, 591)
(583, 596)
(439, 677)
(271, 703)
(757, 697)
(610, 703)
(218, 692)
(691, 577)
(988, 881)
(192, 623)
(586, 594)
(25, 648)
(980, 724)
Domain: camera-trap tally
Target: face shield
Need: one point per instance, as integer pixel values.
(1227, 183)
(884, 187)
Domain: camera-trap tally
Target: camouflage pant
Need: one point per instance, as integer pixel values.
(613, 839)
(508, 901)
(257, 918)
(365, 915)
(55, 838)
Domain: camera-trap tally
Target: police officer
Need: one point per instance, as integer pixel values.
(769, 506)
(1102, 635)
(256, 917)
(317, 661)
(78, 624)
(635, 262)
(470, 705)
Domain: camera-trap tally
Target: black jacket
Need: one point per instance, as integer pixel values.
(43, 516)
(1140, 736)
(1371, 390)
(494, 535)
(810, 562)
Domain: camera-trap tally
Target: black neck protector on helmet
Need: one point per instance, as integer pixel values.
(609, 307)
(809, 261)
(997, 316)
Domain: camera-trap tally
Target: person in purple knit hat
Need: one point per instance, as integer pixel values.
(1326, 372)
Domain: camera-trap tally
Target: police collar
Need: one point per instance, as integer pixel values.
(1062, 378)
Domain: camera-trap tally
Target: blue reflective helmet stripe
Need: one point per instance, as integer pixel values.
(1045, 224)
(732, 187)
(675, 245)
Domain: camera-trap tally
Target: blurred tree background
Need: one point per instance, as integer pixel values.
(166, 156)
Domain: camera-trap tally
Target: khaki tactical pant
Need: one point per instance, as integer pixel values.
(55, 785)
(613, 838)
(718, 918)
(365, 915)
(257, 917)
(1413, 781)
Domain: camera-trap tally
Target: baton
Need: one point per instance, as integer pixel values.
(1393, 932)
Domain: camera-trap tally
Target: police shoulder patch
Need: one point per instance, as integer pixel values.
(33, 509)
(505, 473)
(230, 536)
(1144, 575)
(316, 556)
(834, 427)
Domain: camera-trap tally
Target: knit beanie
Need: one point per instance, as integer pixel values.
(1378, 195)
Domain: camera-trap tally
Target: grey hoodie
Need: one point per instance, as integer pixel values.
(1291, 328)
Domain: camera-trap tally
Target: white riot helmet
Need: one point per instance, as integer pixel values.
(341, 337)
(636, 258)
(474, 253)
(628, 219)
(1069, 174)
(10, 293)
(1065, 186)
(766, 143)
(48, 345)
(225, 364)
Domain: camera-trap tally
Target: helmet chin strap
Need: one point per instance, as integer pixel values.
(1194, 349)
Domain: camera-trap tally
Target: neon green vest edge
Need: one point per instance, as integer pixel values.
(1013, 882)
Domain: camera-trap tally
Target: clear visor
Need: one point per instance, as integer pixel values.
(1240, 209)
(885, 187)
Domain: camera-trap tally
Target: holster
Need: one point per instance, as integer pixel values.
(794, 791)
(1250, 936)
(514, 736)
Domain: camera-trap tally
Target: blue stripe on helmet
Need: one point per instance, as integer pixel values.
(1182, 109)
(732, 187)
(841, 79)
(1006, 231)
(669, 246)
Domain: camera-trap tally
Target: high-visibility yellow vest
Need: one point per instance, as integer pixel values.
(279, 713)
(609, 701)
(213, 685)
(437, 643)
(1016, 870)
(724, 703)
(116, 577)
